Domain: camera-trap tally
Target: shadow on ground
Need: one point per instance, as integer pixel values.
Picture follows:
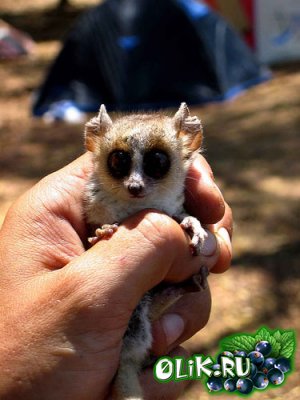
(44, 24)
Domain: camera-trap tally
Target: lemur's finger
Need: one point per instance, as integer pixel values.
(182, 320)
(203, 197)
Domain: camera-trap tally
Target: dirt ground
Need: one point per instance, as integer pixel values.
(253, 145)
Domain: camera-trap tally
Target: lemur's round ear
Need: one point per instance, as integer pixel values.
(188, 128)
(96, 127)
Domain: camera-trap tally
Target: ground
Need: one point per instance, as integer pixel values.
(253, 145)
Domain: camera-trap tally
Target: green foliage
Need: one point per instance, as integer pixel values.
(265, 334)
(239, 342)
(287, 344)
(283, 342)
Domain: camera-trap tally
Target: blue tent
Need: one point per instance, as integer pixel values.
(140, 54)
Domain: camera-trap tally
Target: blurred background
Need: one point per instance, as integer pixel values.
(251, 141)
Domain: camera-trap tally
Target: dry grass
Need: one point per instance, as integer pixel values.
(253, 144)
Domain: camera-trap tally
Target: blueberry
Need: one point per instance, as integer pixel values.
(256, 358)
(253, 370)
(275, 376)
(264, 347)
(216, 367)
(268, 364)
(283, 364)
(215, 384)
(244, 385)
(240, 353)
(260, 381)
(230, 385)
(224, 354)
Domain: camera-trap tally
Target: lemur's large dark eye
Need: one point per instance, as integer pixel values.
(156, 163)
(119, 163)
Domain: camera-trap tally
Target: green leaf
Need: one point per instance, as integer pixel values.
(288, 344)
(282, 342)
(263, 334)
(277, 336)
(239, 342)
(276, 347)
(258, 338)
(287, 335)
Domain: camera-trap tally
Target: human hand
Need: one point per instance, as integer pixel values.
(64, 310)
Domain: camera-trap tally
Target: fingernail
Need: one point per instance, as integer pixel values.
(173, 326)
(210, 245)
(224, 235)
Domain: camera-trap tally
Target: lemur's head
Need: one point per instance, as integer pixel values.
(141, 155)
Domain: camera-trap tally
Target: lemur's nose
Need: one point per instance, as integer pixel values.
(135, 189)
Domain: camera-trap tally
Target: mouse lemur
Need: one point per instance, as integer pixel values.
(141, 161)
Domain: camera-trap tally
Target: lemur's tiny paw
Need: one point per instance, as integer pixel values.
(105, 232)
(198, 235)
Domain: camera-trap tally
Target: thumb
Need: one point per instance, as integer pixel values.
(148, 248)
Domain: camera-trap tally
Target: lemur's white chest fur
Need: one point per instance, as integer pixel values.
(103, 209)
(140, 161)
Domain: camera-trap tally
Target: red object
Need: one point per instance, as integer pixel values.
(248, 6)
(212, 4)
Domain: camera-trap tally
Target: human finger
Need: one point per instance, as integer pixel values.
(203, 197)
(223, 231)
(147, 248)
(182, 320)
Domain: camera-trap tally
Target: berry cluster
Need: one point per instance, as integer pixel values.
(264, 370)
